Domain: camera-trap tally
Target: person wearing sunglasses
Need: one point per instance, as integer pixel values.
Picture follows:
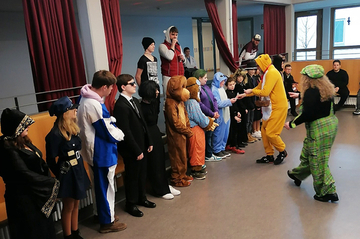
(136, 144)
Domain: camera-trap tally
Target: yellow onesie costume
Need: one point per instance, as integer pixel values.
(271, 88)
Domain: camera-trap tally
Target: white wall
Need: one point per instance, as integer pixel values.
(16, 76)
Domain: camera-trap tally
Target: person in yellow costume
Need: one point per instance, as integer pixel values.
(274, 108)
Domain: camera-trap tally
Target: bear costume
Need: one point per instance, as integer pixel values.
(177, 129)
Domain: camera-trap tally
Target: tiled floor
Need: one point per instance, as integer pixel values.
(242, 199)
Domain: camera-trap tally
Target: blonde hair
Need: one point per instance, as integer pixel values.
(243, 73)
(326, 88)
(67, 125)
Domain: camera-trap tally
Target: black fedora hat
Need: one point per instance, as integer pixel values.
(251, 65)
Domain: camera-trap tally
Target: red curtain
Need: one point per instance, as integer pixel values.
(112, 26)
(235, 32)
(274, 29)
(54, 47)
(219, 36)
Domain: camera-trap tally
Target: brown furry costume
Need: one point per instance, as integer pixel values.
(177, 128)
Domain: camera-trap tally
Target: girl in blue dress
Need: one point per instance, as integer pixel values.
(64, 144)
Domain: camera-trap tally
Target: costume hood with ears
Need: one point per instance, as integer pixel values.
(263, 61)
(193, 86)
(167, 34)
(176, 89)
(218, 78)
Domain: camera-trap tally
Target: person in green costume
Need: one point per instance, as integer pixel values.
(321, 125)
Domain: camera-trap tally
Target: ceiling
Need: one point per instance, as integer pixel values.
(186, 8)
(193, 8)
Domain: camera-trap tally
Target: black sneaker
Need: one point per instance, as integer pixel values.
(296, 180)
(198, 175)
(328, 197)
(226, 153)
(241, 145)
(220, 154)
(266, 159)
(280, 158)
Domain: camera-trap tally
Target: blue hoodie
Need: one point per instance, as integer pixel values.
(98, 131)
(221, 97)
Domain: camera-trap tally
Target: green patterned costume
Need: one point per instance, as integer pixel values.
(320, 136)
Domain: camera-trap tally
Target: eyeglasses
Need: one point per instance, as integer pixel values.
(131, 83)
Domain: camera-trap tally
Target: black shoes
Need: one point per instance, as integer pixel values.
(280, 158)
(226, 153)
(266, 159)
(147, 204)
(294, 114)
(220, 154)
(328, 197)
(296, 181)
(242, 145)
(134, 211)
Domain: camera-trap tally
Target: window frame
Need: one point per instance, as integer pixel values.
(318, 48)
(332, 48)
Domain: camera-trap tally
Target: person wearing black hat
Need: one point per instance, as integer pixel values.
(147, 64)
(63, 142)
(251, 68)
(30, 192)
(249, 51)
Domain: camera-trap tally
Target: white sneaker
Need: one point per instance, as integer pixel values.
(174, 191)
(168, 196)
(257, 134)
(213, 158)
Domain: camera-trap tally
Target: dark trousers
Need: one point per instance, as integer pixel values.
(135, 179)
(241, 130)
(292, 105)
(232, 139)
(344, 94)
(157, 174)
(250, 120)
(208, 146)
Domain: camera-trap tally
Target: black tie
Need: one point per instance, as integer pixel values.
(136, 109)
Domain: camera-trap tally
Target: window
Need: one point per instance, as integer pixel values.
(339, 32)
(308, 27)
(345, 36)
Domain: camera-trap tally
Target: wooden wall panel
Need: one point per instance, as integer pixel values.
(352, 66)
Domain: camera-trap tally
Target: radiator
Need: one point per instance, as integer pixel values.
(351, 100)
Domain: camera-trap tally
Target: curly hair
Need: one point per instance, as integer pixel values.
(326, 88)
(241, 72)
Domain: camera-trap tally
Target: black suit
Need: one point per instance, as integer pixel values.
(136, 141)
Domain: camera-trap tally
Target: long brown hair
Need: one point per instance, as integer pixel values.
(67, 125)
(326, 88)
(19, 142)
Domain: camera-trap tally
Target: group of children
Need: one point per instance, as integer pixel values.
(214, 123)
